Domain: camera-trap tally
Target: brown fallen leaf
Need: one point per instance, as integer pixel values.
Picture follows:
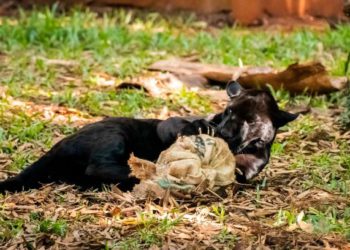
(116, 211)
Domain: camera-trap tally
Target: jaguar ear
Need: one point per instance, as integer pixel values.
(233, 89)
(283, 117)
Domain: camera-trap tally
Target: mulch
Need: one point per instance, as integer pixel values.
(97, 219)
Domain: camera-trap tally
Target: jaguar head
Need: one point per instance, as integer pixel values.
(249, 125)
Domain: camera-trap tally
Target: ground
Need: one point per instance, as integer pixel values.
(59, 71)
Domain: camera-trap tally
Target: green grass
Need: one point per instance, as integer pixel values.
(219, 212)
(330, 221)
(323, 220)
(331, 172)
(121, 43)
(56, 227)
(150, 232)
(345, 117)
(48, 226)
(18, 128)
(112, 103)
(278, 148)
(227, 238)
(325, 168)
(10, 228)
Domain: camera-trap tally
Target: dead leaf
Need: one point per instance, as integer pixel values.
(306, 227)
(116, 211)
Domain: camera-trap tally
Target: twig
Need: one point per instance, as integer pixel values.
(28, 245)
(9, 171)
(215, 194)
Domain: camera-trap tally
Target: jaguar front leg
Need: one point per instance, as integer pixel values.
(198, 127)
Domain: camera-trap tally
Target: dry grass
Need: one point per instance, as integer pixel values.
(293, 204)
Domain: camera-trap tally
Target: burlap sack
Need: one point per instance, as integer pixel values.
(189, 162)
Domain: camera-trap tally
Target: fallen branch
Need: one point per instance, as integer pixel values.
(309, 78)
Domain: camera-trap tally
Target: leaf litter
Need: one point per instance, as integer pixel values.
(246, 216)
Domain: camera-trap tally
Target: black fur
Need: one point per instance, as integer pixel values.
(98, 153)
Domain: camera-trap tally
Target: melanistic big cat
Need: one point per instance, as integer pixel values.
(98, 153)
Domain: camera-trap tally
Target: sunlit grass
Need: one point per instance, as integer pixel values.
(150, 232)
(121, 43)
(323, 221)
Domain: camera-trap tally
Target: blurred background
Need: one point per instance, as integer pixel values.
(245, 12)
